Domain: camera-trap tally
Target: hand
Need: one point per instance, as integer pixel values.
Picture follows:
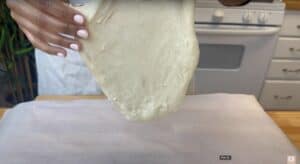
(43, 22)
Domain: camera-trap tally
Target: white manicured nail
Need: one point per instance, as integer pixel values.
(78, 19)
(83, 34)
(74, 46)
(61, 55)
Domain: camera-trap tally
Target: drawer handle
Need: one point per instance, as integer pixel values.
(294, 50)
(298, 27)
(285, 70)
(276, 97)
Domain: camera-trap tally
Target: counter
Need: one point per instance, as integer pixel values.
(292, 4)
(288, 121)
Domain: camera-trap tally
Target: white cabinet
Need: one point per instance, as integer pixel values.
(288, 48)
(281, 95)
(285, 70)
(282, 87)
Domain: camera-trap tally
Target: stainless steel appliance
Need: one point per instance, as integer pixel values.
(236, 45)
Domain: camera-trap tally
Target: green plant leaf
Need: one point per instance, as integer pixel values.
(11, 44)
(24, 51)
(14, 47)
(2, 38)
(10, 66)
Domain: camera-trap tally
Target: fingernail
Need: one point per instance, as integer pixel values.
(83, 34)
(61, 55)
(74, 46)
(78, 19)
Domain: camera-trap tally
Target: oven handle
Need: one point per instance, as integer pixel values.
(238, 31)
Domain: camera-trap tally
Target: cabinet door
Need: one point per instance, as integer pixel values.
(281, 95)
(288, 48)
(291, 25)
(285, 70)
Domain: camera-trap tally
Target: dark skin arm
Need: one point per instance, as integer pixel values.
(43, 21)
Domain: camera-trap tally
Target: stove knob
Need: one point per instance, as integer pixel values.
(247, 18)
(218, 15)
(262, 18)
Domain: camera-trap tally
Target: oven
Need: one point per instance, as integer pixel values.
(235, 53)
(234, 59)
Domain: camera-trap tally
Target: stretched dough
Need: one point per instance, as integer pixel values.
(142, 53)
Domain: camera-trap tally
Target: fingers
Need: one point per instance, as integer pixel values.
(43, 40)
(45, 21)
(60, 10)
(42, 45)
(62, 41)
(44, 30)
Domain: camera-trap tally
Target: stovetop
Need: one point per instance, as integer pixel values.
(257, 12)
(268, 1)
(262, 1)
(273, 5)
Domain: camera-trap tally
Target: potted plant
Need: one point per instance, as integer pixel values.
(17, 65)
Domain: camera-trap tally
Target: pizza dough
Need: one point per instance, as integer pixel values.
(143, 53)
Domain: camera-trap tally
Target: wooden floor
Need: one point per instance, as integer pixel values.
(1, 112)
(289, 122)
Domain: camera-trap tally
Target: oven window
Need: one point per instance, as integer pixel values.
(221, 56)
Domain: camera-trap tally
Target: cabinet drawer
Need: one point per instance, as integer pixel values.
(281, 95)
(285, 69)
(291, 25)
(288, 48)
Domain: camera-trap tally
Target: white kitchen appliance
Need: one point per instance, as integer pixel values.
(236, 45)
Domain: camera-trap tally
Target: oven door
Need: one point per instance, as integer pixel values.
(233, 59)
